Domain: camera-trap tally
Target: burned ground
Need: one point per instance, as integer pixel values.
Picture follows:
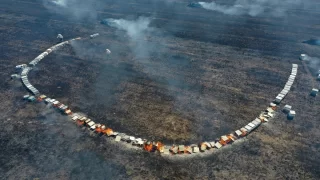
(209, 75)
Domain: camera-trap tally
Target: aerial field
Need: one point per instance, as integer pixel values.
(176, 74)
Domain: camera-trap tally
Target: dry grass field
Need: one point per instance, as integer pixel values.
(196, 76)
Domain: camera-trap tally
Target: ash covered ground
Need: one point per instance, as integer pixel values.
(176, 74)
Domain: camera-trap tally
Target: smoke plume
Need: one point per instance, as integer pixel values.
(134, 28)
(60, 2)
(254, 7)
(312, 41)
(139, 33)
(74, 9)
(313, 63)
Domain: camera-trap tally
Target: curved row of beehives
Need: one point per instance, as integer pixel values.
(150, 146)
(36, 60)
(288, 85)
(25, 81)
(26, 69)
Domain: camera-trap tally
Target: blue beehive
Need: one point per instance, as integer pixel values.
(31, 98)
(25, 97)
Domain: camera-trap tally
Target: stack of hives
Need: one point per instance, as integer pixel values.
(54, 48)
(25, 81)
(288, 85)
(34, 62)
(289, 111)
(225, 139)
(149, 146)
(29, 98)
(48, 51)
(56, 104)
(102, 129)
(314, 92)
(15, 76)
(217, 144)
(94, 35)
(25, 69)
(21, 66)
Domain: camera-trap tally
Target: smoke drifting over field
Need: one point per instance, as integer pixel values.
(313, 63)
(62, 3)
(134, 28)
(74, 9)
(254, 7)
(140, 35)
(315, 42)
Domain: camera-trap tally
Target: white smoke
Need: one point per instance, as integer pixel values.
(74, 9)
(62, 3)
(135, 29)
(254, 7)
(313, 63)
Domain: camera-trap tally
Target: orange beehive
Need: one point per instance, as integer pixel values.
(79, 122)
(231, 138)
(188, 150)
(68, 111)
(224, 140)
(98, 130)
(160, 146)
(262, 119)
(148, 146)
(174, 149)
(108, 131)
(244, 131)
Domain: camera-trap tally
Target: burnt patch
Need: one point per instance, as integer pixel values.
(264, 76)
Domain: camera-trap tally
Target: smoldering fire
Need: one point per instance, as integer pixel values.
(254, 7)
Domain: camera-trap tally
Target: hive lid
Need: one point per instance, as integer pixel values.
(174, 149)
(252, 125)
(273, 104)
(238, 132)
(118, 138)
(218, 145)
(188, 149)
(292, 112)
(91, 123)
(181, 147)
(287, 106)
(243, 129)
(256, 123)
(196, 150)
(224, 138)
(212, 143)
(207, 144)
(249, 128)
(166, 151)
